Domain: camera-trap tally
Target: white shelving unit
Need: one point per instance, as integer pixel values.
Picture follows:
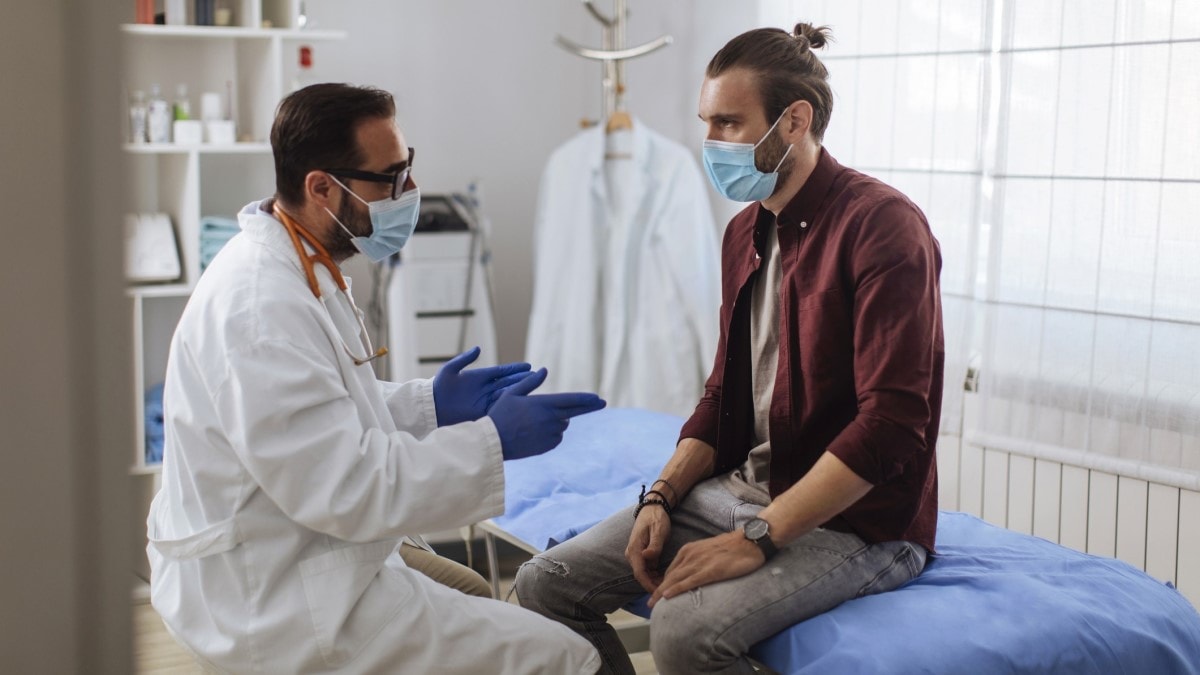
(187, 182)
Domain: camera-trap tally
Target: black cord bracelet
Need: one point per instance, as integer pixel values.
(643, 501)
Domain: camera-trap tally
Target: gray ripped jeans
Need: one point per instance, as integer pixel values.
(710, 629)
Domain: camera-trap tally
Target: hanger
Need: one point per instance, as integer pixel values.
(613, 56)
(618, 121)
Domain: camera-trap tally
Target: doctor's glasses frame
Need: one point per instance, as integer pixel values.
(397, 180)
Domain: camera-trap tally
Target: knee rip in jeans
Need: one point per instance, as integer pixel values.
(542, 564)
(549, 565)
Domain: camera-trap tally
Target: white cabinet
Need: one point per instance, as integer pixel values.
(252, 68)
(432, 316)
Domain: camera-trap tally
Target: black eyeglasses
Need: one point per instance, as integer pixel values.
(398, 180)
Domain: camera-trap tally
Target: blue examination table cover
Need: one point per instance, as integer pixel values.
(991, 601)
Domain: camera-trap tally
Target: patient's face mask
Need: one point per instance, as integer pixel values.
(732, 170)
(392, 223)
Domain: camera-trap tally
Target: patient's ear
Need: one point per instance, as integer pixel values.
(798, 122)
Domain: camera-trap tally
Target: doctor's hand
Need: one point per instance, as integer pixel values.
(530, 425)
(650, 532)
(466, 395)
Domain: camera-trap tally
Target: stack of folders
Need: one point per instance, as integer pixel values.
(215, 231)
(206, 12)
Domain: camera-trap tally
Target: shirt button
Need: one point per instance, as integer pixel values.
(803, 224)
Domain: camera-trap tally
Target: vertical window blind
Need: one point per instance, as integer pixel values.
(1055, 148)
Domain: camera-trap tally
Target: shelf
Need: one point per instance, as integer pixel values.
(249, 68)
(145, 469)
(203, 149)
(238, 32)
(159, 291)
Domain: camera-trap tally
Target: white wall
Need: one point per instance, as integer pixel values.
(65, 390)
(485, 94)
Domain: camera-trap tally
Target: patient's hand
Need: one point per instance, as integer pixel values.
(650, 532)
(707, 561)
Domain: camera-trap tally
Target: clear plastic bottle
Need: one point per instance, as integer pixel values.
(137, 117)
(159, 117)
(183, 106)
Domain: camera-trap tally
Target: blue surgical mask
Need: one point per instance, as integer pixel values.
(732, 171)
(392, 223)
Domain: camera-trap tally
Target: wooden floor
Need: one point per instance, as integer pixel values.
(155, 651)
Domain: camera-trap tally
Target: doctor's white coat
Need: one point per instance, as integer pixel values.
(290, 476)
(626, 287)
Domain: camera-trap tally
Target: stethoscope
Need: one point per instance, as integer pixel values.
(296, 232)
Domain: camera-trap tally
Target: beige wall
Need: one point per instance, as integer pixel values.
(485, 94)
(64, 384)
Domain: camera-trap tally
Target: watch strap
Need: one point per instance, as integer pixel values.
(764, 542)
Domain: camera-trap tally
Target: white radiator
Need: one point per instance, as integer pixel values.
(1150, 525)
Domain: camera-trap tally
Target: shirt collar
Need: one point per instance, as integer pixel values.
(806, 205)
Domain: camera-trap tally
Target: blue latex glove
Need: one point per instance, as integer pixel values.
(465, 396)
(530, 425)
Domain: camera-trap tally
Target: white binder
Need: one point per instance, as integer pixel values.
(151, 252)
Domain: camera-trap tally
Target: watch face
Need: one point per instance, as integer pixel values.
(756, 529)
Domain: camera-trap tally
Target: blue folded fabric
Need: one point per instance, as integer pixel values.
(154, 424)
(215, 232)
(218, 224)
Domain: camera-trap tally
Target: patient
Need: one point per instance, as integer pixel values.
(806, 475)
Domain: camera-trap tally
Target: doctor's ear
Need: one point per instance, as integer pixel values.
(319, 188)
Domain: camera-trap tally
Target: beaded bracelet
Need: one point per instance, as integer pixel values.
(643, 501)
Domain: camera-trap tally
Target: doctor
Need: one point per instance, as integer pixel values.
(291, 474)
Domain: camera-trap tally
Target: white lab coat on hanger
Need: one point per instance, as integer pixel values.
(626, 288)
(290, 476)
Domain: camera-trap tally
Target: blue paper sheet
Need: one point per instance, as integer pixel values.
(604, 459)
(992, 601)
(995, 601)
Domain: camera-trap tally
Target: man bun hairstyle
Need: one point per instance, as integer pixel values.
(786, 67)
(315, 128)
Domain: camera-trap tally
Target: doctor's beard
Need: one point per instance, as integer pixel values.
(357, 222)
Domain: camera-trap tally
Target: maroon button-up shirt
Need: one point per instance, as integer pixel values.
(861, 354)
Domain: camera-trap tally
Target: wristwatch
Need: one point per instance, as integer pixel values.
(758, 531)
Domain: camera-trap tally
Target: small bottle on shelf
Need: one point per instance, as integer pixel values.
(159, 117)
(137, 117)
(183, 106)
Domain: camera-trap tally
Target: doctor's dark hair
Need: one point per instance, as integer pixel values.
(786, 68)
(315, 129)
